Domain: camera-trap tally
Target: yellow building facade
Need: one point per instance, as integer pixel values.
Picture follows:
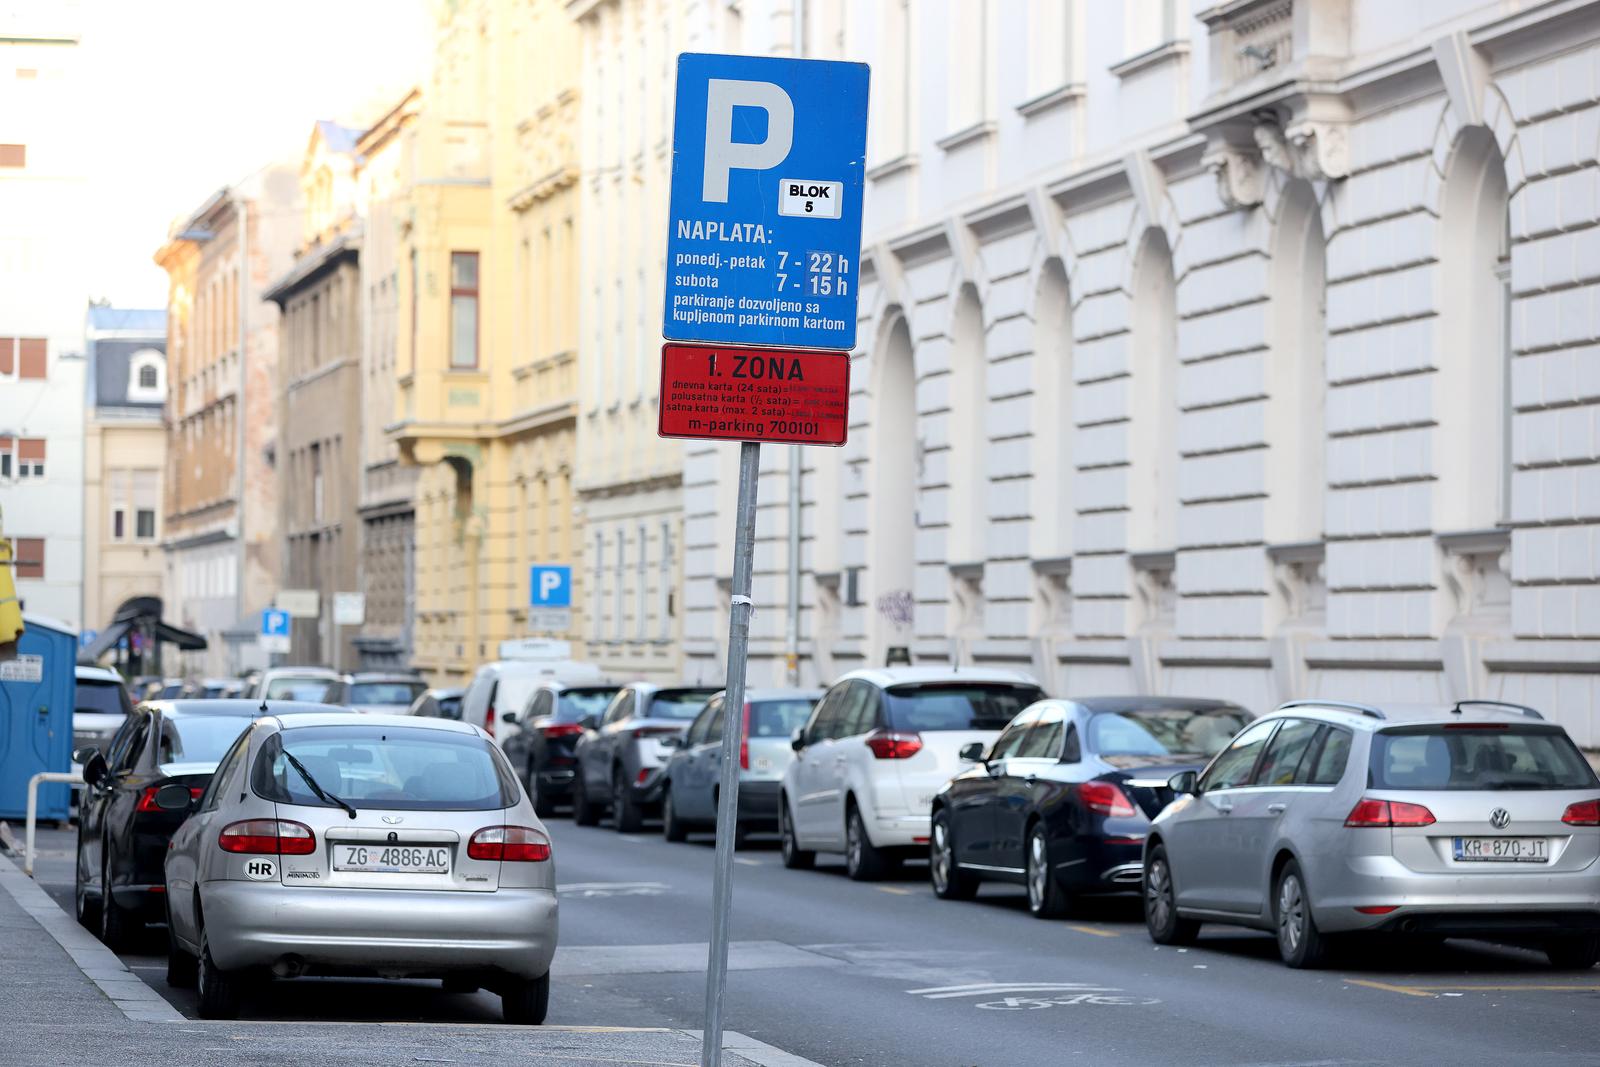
(486, 387)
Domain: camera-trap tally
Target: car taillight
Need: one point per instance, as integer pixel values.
(1106, 798)
(1377, 813)
(562, 729)
(488, 721)
(268, 837)
(890, 744)
(656, 731)
(1583, 813)
(744, 741)
(514, 844)
(147, 799)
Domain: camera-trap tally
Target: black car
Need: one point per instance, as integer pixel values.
(438, 703)
(122, 832)
(1062, 801)
(543, 751)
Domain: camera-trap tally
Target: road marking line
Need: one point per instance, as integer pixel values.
(1513, 988)
(1410, 991)
(896, 890)
(1095, 931)
(748, 863)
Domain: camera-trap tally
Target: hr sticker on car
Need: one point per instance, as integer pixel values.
(260, 870)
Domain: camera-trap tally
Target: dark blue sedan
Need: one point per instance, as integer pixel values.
(1063, 798)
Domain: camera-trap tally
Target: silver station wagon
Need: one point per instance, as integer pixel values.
(1323, 819)
(384, 845)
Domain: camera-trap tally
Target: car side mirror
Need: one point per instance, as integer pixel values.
(1184, 782)
(510, 717)
(94, 768)
(670, 741)
(590, 722)
(174, 797)
(797, 740)
(81, 756)
(972, 752)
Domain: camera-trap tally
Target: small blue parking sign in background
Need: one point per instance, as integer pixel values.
(274, 623)
(764, 227)
(549, 586)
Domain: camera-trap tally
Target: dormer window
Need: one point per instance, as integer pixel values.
(147, 377)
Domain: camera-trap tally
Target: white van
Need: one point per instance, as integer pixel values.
(500, 690)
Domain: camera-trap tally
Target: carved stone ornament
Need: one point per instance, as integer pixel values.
(1274, 149)
(1241, 180)
(1320, 151)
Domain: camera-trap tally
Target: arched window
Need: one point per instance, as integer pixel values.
(147, 376)
(895, 452)
(1295, 375)
(1152, 397)
(1471, 399)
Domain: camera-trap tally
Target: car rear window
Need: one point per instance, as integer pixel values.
(449, 707)
(1165, 731)
(1468, 756)
(292, 688)
(385, 692)
(403, 768)
(574, 704)
(778, 718)
(198, 738)
(957, 706)
(102, 698)
(680, 704)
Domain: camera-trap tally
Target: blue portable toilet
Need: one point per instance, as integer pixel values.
(37, 697)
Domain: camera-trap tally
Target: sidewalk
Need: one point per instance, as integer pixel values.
(68, 1000)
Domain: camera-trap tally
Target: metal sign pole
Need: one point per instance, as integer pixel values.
(744, 537)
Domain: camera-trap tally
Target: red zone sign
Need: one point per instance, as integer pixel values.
(724, 393)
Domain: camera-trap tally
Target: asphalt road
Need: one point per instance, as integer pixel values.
(885, 974)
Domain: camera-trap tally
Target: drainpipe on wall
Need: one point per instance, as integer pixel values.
(242, 214)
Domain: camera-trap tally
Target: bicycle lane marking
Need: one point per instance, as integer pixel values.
(1035, 996)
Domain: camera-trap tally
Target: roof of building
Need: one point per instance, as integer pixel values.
(152, 321)
(111, 362)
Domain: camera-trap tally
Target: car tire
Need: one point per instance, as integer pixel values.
(794, 857)
(541, 807)
(583, 812)
(950, 881)
(1161, 916)
(526, 1002)
(863, 861)
(1046, 898)
(672, 827)
(84, 906)
(116, 923)
(219, 989)
(1574, 954)
(183, 970)
(625, 813)
(1300, 943)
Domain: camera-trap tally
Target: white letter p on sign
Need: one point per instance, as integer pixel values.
(549, 582)
(723, 153)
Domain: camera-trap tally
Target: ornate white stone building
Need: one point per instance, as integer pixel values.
(1244, 349)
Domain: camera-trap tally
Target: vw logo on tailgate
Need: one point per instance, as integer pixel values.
(1499, 818)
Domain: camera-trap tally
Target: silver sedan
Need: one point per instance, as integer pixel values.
(387, 845)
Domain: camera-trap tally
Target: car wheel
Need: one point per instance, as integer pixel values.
(116, 924)
(541, 807)
(1161, 916)
(794, 857)
(219, 989)
(183, 970)
(1299, 942)
(1574, 954)
(526, 1001)
(863, 862)
(85, 906)
(671, 827)
(950, 881)
(625, 813)
(583, 812)
(1046, 899)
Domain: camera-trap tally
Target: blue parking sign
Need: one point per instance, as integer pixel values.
(274, 623)
(764, 221)
(549, 586)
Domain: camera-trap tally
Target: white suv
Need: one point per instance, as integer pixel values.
(878, 746)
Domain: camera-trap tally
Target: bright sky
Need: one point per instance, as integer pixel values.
(192, 95)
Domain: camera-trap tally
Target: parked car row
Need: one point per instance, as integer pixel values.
(272, 836)
(1319, 820)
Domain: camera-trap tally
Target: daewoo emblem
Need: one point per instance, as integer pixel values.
(1499, 818)
(394, 820)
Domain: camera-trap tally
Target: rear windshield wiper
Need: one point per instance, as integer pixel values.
(315, 788)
